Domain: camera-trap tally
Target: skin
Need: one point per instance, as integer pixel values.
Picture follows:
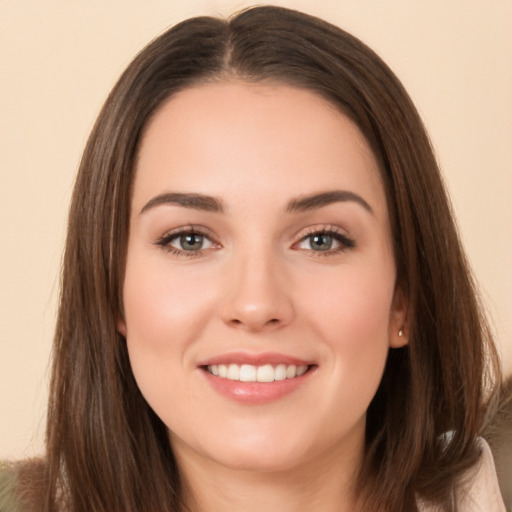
(259, 284)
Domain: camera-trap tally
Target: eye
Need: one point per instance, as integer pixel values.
(186, 242)
(326, 241)
(318, 242)
(190, 242)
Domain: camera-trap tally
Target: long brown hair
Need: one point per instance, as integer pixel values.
(107, 451)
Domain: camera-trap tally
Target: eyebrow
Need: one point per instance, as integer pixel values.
(314, 201)
(195, 201)
(215, 205)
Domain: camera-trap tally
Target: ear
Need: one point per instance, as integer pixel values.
(399, 320)
(121, 326)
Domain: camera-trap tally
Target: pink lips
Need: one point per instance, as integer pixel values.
(255, 392)
(273, 358)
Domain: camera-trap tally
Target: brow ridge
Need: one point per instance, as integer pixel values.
(319, 200)
(186, 200)
(296, 205)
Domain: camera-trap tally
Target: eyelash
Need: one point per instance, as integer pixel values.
(345, 243)
(166, 240)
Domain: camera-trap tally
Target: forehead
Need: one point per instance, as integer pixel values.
(228, 138)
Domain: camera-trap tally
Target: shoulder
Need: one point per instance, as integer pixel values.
(8, 478)
(479, 490)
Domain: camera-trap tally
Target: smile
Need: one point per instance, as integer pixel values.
(253, 373)
(257, 378)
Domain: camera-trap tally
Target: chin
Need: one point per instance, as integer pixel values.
(251, 451)
(262, 460)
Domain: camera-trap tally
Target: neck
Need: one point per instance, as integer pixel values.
(325, 483)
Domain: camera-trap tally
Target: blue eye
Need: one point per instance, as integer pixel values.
(328, 242)
(321, 242)
(187, 242)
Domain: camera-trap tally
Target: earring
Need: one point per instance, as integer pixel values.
(401, 332)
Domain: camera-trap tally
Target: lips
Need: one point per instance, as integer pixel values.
(256, 378)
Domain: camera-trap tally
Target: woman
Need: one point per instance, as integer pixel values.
(264, 299)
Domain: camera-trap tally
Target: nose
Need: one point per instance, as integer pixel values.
(258, 296)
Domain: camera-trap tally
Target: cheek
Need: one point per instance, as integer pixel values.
(163, 307)
(351, 313)
(165, 312)
(353, 305)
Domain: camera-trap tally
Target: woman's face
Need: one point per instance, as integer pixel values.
(259, 249)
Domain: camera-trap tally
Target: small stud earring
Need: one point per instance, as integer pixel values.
(401, 332)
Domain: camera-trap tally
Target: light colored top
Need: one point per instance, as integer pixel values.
(480, 491)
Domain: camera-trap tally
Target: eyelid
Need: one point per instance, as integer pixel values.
(164, 240)
(319, 228)
(346, 242)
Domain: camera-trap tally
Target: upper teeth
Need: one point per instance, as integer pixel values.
(250, 373)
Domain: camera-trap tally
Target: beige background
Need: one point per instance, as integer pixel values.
(58, 60)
